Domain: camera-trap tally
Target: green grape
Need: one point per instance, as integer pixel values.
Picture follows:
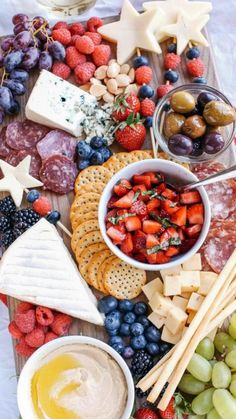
(200, 368)
(233, 321)
(190, 385)
(232, 387)
(202, 404)
(221, 375)
(196, 416)
(213, 362)
(232, 331)
(206, 348)
(223, 341)
(230, 359)
(224, 403)
(233, 377)
(213, 415)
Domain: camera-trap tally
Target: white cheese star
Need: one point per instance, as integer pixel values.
(132, 31)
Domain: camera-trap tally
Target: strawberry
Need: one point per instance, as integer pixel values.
(164, 238)
(94, 23)
(3, 298)
(169, 207)
(139, 240)
(152, 241)
(156, 178)
(111, 202)
(143, 75)
(124, 105)
(177, 408)
(42, 206)
(127, 245)
(145, 413)
(125, 201)
(84, 44)
(61, 324)
(122, 187)
(61, 70)
(151, 227)
(163, 89)
(35, 339)
(196, 67)
(142, 180)
(141, 189)
(172, 251)
(194, 230)
(153, 204)
(160, 188)
(181, 234)
(172, 232)
(140, 257)
(131, 133)
(147, 107)
(186, 245)
(171, 61)
(139, 208)
(133, 223)
(152, 258)
(14, 330)
(44, 316)
(195, 214)
(101, 54)
(179, 217)
(161, 257)
(62, 35)
(190, 197)
(115, 234)
(170, 194)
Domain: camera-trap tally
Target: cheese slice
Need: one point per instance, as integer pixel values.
(58, 104)
(38, 268)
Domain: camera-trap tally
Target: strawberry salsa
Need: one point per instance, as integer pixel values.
(150, 221)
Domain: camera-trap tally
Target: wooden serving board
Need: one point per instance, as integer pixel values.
(62, 203)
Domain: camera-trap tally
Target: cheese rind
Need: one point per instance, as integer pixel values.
(153, 286)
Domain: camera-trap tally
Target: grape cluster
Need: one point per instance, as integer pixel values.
(31, 46)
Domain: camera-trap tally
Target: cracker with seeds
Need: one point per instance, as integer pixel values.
(81, 230)
(100, 275)
(89, 238)
(96, 187)
(93, 174)
(93, 266)
(78, 219)
(84, 258)
(83, 209)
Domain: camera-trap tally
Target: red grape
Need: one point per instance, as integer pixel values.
(19, 18)
(16, 87)
(45, 61)
(20, 27)
(14, 107)
(12, 60)
(22, 40)
(57, 50)
(1, 59)
(2, 115)
(19, 74)
(5, 98)
(30, 59)
(7, 43)
(44, 34)
(38, 21)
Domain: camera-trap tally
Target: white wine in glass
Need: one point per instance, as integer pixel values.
(67, 7)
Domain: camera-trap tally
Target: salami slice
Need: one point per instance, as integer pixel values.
(58, 174)
(203, 170)
(4, 149)
(205, 265)
(15, 157)
(22, 135)
(57, 142)
(218, 250)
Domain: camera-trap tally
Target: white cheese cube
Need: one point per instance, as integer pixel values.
(172, 285)
(157, 320)
(193, 264)
(176, 320)
(169, 337)
(161, 305)
(151, 287)
(190, 281)
(170, 271)
(195, 301)
(180, 302)
(191, 316)
(207, 279)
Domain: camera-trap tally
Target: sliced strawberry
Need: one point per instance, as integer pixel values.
(152, 258)
(181, 234)
(116, 235)
(195, 214)
(142, 180)
(152, 241)
(140, 257)
(153, 204)
(125, 201)
(139, 240)
(194, 230)
(191, 197)
(172, 232)
(108, 225)
(160, 188)
(172, 251)
(133, 223)
(122, 187)
(186, 245)
(139, 208)
(111, 202)
(179, 217)
(155, 177)
(141, 189)
(127, 245)
(170, 194)
(161, 257)
(164, 237)
(111, 214)
(169, 206)
(151, 227)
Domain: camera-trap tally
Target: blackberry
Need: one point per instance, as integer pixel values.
(7, 206)
(24, 219)
(7, 238)
(140, 394)
(141, 363)
(4, 223)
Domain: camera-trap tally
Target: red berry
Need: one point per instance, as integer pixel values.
(42, 206)
(23, 307)
(61, 70)
(60, 25)
(23, 348)
(77, 28)
(61, 324)
(163, 89)
(146, 413)
(195, 67)
(171, 61)
(101, 54)
(84, 72)
(44, 316)
(43, 328)
(73, 40)
(62, 35)
(84, 44)
(143, 74)
(94, 23)
(14, 330)
(3, 298)
(50, 336)
(35, 339)
(147, 107)
(95, 36)
(74, 57)
(26, 321)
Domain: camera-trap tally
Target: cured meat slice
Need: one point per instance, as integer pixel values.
(22, 135)
(15, 157)
(218, 250)
(205, 265)
(57, 142)
(58, 174)
(4, 148)
(203, 170)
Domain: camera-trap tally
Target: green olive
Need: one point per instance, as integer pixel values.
(219, 113)
(182, 102)
(194, 126)
(173, 124)
(211, 128)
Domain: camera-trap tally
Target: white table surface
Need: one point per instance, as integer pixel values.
(222, 30)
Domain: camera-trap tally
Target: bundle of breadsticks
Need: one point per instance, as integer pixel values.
(216, 307)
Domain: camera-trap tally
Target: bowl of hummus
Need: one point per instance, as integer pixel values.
(75, 377)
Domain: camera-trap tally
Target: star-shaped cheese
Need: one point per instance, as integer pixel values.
(187, 29)
(170, 10)
(132, 31)
(16, 179)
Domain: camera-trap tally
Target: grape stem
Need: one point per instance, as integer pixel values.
(3, 76)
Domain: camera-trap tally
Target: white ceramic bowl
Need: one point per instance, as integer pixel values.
(24, 385)
(176, 174)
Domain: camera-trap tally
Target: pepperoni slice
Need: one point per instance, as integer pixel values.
(203, 170)
(15, 157)
(57, 142)
(4, 148)
(22, 135)
(218, 250)
(58, 174)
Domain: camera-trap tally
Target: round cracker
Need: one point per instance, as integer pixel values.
(84, 209)
(87, 198)
(93, 266)
(94, 174)
(165, 156)
(122, 280)
(84, 258)
(96, 187)
(113, 164)
(81, 230)
(89, 238)
(100, 275)
(143, 154)
(79, 219)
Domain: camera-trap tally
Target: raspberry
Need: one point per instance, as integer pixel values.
(14, 330)
(44, 316)
(143, 74)
(26, 321)
(84, 72)
(84, 44)
(3, 298)
(23, 307)
(95, 36)
(23, 348)
(35, 339)
(101, 55)
(50, 336)
(94, 23)
(61, 324)
(76, 29)
(171, 61)
(147, 107)
(195, 67)
(61, 70)
(163, 89)
(62, 35)
(60, 25)
(43, 328)
(73, 40)
(42, 205)
(74, 57)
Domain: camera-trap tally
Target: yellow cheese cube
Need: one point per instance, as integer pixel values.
(207, 279)
(176, 320)
(193, 264)
(190, 316)
(194, 302)
(186, 295)
(180, 302)
(172, 285)
(190, 281)
(151, 287)
(159, 304)
(170, 271)
(156, 319)
(169, 337)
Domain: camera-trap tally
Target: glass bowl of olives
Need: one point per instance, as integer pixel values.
(194, 123)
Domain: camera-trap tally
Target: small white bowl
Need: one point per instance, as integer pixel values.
(24, 385)
(176, 174)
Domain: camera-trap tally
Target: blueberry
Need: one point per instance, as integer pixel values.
(83, 150)
(200, 80)
(106, 153)
(164, 347)
(97, 158)
(53, 217)
(136, 329)
(171, 76)
(83, 164)
(152, 334)
(148, 121)
(145, 91)
(152, 348)
(139, 61)
(113, 332)
(107, 304)
(116, 342)
(32, 195)
(193, 53)
(125, 329)
(113, 320)
(97, 142)
(143, 320)
(126, 305)
(172, 47)
(128, 352)
(140, 308)
(129, 318)
(138, 342)
(115, 339)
